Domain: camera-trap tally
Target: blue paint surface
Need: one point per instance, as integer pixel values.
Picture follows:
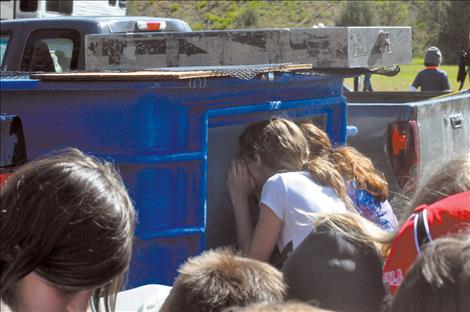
(156, 133)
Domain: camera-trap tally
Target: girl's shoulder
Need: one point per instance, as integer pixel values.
(290, 175)
(291, 178)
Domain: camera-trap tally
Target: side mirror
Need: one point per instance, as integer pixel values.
(12, 147)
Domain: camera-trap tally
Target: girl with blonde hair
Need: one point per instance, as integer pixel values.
(366, 186)
(342, 258)
(274, 159)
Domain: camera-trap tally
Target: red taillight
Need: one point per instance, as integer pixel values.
(151, 25)
(399, 140)
(3, 177)
(403, 150)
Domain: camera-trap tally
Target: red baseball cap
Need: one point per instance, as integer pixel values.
(449, 215)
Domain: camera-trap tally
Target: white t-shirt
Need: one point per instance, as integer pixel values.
(292, 196)
(147, 298)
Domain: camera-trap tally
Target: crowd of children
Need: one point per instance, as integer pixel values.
(67, 227)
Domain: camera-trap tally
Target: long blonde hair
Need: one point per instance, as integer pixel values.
(357, 229)
(282, 146)
(349, 162)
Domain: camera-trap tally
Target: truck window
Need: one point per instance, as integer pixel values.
(51, 51)
(64, 7)
(29, 5)
(4, 39)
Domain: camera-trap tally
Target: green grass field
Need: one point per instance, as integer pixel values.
(403, 80)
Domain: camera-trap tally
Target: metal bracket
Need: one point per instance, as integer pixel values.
(456, 120)
(384, 42)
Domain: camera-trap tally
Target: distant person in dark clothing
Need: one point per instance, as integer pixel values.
(367, 87)
(464, 65)
(431, 78)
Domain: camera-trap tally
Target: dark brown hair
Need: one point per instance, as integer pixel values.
(218, 278)
(68, 218)
(439, 280)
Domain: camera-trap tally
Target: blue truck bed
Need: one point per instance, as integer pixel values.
(171, 140)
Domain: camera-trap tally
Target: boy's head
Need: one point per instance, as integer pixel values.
(218, 278)
(289, 306)
(433, 57)
(440, 278)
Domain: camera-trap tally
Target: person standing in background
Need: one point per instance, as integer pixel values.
(431, 78)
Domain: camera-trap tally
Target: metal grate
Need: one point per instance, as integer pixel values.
(244, 72)
(389, 71)
(12, 75)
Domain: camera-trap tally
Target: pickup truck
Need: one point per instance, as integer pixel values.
(406, 134)
(172, 132)
(58, 44)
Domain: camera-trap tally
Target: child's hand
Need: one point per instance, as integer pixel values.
(239, 182)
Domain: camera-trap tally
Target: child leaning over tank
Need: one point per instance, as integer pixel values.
(274, 161)
(366, 186)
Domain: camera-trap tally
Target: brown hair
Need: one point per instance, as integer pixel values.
(219, 278)
(451, 178)
(68, 218)
(352, 164)
(288, 306)
(282, 147)
(439, 280)
(357, 167)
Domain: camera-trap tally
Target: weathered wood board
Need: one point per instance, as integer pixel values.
(169, 73)
(329, 47)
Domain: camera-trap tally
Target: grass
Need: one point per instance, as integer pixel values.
(403, 80)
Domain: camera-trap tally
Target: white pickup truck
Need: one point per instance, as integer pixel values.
(57, 44)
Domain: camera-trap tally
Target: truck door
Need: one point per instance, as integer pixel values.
(4, 41)
(51, 50)
(11, 44)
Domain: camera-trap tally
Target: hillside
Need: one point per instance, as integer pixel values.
(241, 14)
(426, 17)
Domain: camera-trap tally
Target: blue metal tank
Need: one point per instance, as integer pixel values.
(171, 141)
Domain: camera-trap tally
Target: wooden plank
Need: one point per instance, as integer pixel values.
(158, 75)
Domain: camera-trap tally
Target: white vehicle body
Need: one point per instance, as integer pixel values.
(14, 9)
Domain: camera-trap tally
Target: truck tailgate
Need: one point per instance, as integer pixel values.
(443, 125)
(371, 120)
(444, 128)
